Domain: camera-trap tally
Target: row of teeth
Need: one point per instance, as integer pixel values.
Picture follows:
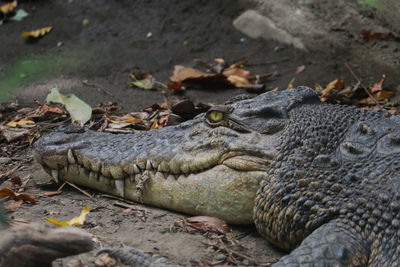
(115, 173)
(164, 167)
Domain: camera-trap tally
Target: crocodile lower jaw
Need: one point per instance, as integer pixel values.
(220, 191)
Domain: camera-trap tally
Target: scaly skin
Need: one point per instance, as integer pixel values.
(325, 177)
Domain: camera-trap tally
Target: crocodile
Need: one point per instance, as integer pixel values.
(318, 180)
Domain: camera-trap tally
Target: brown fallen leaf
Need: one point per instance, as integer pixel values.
(182, 73)
(46, 108)
(378, 96)
(377, 86)
(368, 35)
(192, 77)
(8, 7)
(237, 72)
(239, 64)
(238, 81)
(6, 192)
(204, 224)
(37, 33)
(12, 206)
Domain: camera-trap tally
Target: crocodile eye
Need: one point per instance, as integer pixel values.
(216, 116)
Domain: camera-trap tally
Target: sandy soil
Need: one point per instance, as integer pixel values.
(114, 42)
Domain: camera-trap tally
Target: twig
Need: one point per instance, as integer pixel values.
(62, 186)
(87, 83)
(362, 85)
(80, 190)
(127, 206)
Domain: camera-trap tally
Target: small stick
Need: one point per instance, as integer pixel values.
(127, 206)
(362, 85)
(62, 186)
(80, 190)
(87, 83)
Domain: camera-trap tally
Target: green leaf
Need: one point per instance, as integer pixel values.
(146, 83)
(80, 111)
(20, 15)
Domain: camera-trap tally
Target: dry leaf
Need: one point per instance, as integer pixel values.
(37, 33)
(378, 96)
(8, 7)
(239, 64)
(6, 192)
(379, 35)
(237, 72)
(205, 224)
(182, 73)
(378, 86)
(333, 84)
(154, 125)
(13, 205)
(238, 81)
(79, 220)
(20, 123)
(46, 108)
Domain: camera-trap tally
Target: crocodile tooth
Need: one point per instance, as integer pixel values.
(159, 169)
(105, 170)
(185, 168)
(128, 169)
(66, 169)
(132, 178)
(54, 174)
(95, 166)
(86, 163)
(141, 165)
(165, 166)
(71, 158)
(149, 166)
(119, 186)
(79, 159)
(116, 172)
(136, 169)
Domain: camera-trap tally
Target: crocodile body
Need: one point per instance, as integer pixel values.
(319, 180)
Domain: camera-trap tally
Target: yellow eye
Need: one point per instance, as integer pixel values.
(216, 116)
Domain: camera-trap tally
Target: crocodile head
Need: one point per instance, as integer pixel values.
(211, 165)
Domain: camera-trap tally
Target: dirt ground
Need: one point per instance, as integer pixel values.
(93, 60)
